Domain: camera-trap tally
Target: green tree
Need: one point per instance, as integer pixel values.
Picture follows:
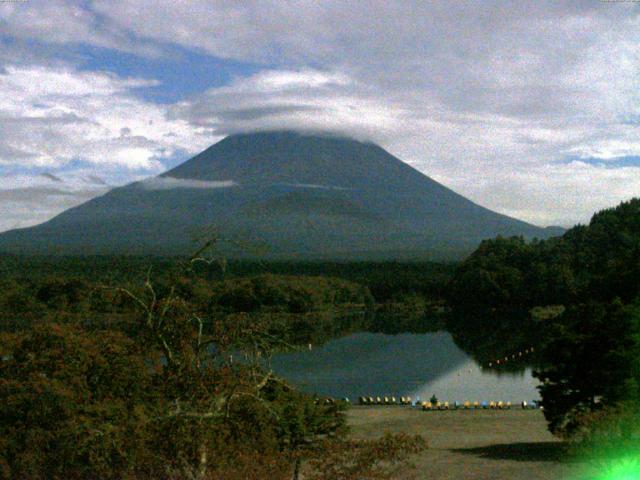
(591, 362)
(169, 401)
(72, 404)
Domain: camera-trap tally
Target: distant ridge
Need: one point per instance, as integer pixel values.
(279, 195)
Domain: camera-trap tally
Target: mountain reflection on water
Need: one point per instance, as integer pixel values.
(405, 364)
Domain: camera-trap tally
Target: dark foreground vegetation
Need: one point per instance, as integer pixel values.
(146, 367)
(169, 377)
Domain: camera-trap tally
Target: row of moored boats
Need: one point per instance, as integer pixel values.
(467, 405)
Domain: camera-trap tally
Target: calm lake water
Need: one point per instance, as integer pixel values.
(374, 364)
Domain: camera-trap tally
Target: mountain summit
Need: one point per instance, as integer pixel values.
(278, 195)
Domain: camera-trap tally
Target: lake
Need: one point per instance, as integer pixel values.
(375, 364)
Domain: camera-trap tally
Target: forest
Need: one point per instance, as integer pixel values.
(103, 359)
(576, 298)
(320, 300)
(124, 367)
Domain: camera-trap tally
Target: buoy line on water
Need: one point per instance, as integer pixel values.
(514, 356)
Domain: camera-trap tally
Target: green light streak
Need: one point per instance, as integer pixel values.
(627, 468)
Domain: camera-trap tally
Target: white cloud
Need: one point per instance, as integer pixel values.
(306, 99)
(313, 186)
(52, 116)
(552, 194)
(66, 22)
(27, 200)
(88, 124)
(168, 183)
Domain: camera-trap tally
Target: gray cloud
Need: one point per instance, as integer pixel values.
(255, 113)
(96, 180)
(52, 177)
(62, 22)
(168, 183)
(34, 193)
(13, 154)
(23, 207)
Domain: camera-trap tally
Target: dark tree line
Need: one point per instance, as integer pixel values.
(596, 262)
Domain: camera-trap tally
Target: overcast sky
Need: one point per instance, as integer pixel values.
(530, 107)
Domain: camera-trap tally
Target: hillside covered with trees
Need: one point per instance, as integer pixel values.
(576, 298)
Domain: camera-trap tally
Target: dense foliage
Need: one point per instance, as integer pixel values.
(386, 281)
(575, 298)
(591, 360)
(102, 376)
(305, 302)
(169, 380)
(598, 262)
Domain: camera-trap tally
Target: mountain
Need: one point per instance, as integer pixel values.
(278, 195)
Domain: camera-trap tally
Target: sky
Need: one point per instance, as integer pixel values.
(528, 107)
